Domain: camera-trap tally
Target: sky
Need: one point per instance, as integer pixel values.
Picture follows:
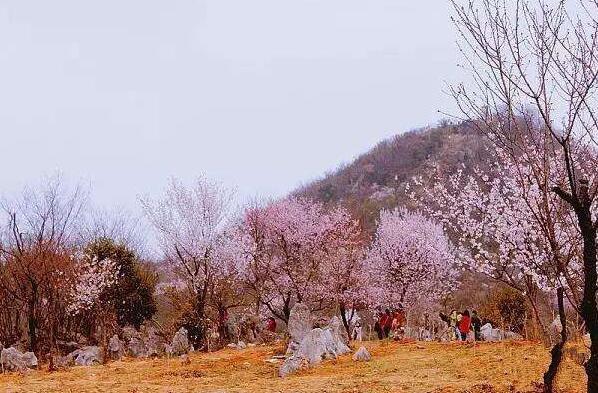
(260, 95)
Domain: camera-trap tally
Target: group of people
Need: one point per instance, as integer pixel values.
(461, 323)
(390, 324)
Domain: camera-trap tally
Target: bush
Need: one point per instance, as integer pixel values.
(132, 298)
(506, 307)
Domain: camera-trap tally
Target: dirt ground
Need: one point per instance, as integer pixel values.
(412, 367)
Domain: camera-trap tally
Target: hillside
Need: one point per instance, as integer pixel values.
(377, 178)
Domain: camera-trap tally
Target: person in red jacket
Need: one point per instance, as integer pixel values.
(271, 325)
(464, 325)
(386, 322)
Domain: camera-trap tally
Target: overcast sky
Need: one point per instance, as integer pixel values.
(262, 95)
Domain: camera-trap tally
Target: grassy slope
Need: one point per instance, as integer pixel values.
(429, 367)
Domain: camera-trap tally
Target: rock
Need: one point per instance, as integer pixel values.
(11, 359)
(185, 361)
(232, 345)
(362, 355)
(241, 345)
(292, 365)
(153, 342)
(587, 341)
(299, 322)
(338, 330)
(115, 348)
(488, 333)
(318, 344)
(136, 348)
(180, 342)
(86, 356)
(30, 359)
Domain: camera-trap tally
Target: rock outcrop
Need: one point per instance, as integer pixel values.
(299, 325)
(86, 356)
(180, 343)
(11, 359)
(316, 345)
(116, 348)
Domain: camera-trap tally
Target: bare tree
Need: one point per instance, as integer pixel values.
(35, 249)
(541, 56)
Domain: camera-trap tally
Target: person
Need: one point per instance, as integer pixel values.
(387, 325)
(453, 329)
(378, 325)
(476, 322)
(398, 324)
(271, 325)
(464, 325)
(357, 336)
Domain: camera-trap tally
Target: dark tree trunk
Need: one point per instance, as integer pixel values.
(557, 351)
(588, 306)
(582, 206)
(343, 311)
(32, 320)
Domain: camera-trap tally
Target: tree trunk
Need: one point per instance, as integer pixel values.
(582, 206)
(343, 311)
(32, 320)
(589, 310)
(557, 351)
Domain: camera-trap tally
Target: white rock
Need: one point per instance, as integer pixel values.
(115, 348)
(86, 356)
(362, 355)
(180, 342)
(11, 359)
(318, 344)
(299, 322)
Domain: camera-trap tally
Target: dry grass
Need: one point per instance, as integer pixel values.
(430, 367)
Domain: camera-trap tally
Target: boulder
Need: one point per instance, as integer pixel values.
(86, 356)
(317, 345)
(115, 348)
(185, 361)
(180, 342)
(299, 322)
(362, 355)
(338, 330)
(488, 333)
(11, 359)
(136, 348)
(153, 342)
(241, 345)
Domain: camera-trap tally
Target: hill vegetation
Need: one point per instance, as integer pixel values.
(376, 180)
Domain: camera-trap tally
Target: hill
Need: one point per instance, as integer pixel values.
(376, 179)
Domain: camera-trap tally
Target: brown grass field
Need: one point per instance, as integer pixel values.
(395, 367)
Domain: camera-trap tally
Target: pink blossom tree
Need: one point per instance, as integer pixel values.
(541, 56)
(411, 259)
(510, 226)
(296, 251)
(191, 224)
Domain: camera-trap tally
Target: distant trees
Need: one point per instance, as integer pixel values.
(52, 287)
